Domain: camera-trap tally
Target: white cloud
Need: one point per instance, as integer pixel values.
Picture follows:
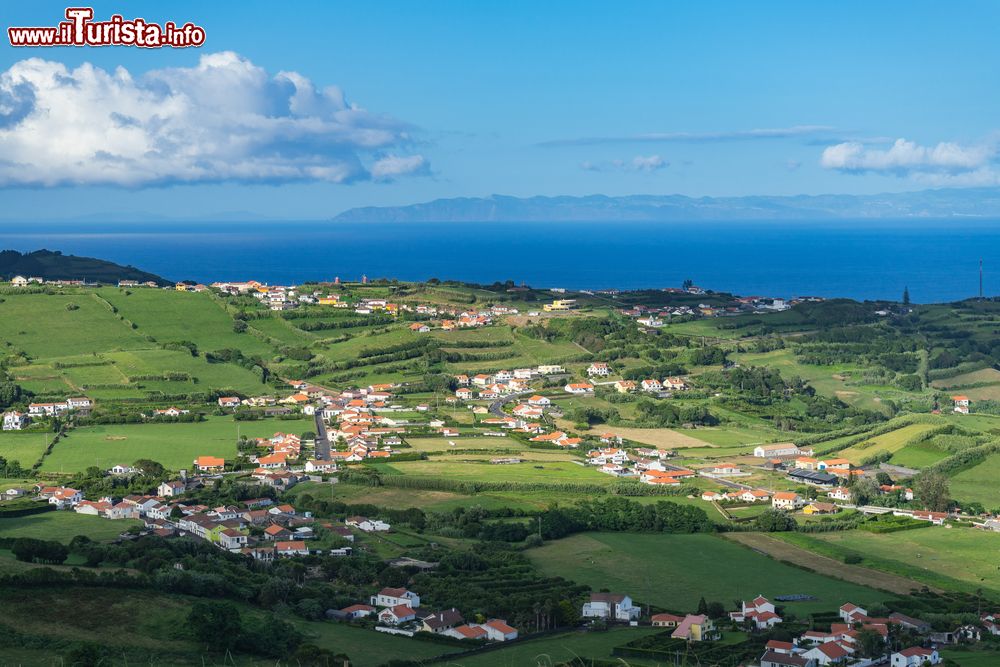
(907, 157)
(224, 119)
(803, 131)
(643, 163)
(394, 166)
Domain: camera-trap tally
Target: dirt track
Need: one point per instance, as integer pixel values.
(855, 574)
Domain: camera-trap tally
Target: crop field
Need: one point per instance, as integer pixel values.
(24, 447)
(558, 649)
(980, 483)
(548, 472)
(920, 455)
(663, 438)
(176, 316)
(368, 648)
(892, 441)
(209, 376)
(693, 566)
(173, 445)
(47, 326)
(64, 526)
(953, 559)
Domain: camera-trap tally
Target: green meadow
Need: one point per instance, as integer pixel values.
(175, 445)
(675, 571)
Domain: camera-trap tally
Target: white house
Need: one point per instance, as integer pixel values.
(47, 409)
(392, 597)
(786, 500)
(321, 466)
(611, 606)
(497, 630)
(15, 421)
(652, 385)
(65, 497)
(598, 368)
(779, 449)
(915, 656)
(397, 615)
(171, 489)
(579, 388)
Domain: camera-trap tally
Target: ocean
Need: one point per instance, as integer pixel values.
(937, 260)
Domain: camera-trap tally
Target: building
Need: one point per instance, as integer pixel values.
(696, 628)
(780, 449)
(665, 620)
(392, 597)
(786, 500)
(15, 421)
(961, 404)
(611, 606)
(599, 369)
(916, 656)
(209, 463)
(397, 615)
(579, 388)
(776, 659)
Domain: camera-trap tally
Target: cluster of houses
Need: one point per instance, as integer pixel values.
(645, 464)
(839, 645)
(398, 611)
(259, 528)
(490, 386)
(14, 420)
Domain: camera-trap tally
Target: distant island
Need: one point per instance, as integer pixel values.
(944, 203)
(54, 265)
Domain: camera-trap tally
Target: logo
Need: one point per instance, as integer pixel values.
(81, 30)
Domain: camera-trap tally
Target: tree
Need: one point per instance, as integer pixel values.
(906, 296)
(932, 491)
(864, 490)
(218, 623)
(702, 606)
(10, 393)
(774, 521)
(870, 643)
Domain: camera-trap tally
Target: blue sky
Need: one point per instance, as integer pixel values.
(520, 98)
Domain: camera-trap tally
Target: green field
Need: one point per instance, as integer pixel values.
(920, 455)
(42, 326)
(980, 483)
(550, 471)
(893, 441)
(675, 571)
(171, 316)
(957, 558)
(64, 526)
(175, 445)
(553, 650)
(368, 648)
(23, 447)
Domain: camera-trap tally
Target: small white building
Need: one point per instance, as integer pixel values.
(611, 606)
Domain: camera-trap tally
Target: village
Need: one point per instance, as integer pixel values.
(496, 427)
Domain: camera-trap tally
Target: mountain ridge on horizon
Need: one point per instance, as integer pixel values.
(939, 203)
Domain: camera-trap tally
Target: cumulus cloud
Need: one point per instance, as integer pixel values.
(224, 119)
(909, 158)
(640, 163)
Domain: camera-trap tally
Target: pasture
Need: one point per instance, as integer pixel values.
(175, 445)
(25, 448)
(690, 567)
(956, 558)
(980, 483)
(893, 441)
(48, 325)
(63, 526)
(473, 471)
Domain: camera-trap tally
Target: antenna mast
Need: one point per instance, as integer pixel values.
(980, 278)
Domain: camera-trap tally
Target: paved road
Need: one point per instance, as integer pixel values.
(496, 407)
(322, 439)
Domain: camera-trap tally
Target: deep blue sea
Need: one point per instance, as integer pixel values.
(937, 260)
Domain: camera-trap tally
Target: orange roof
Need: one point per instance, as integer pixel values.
(210, 462)
(959, 398)
(785, 495)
